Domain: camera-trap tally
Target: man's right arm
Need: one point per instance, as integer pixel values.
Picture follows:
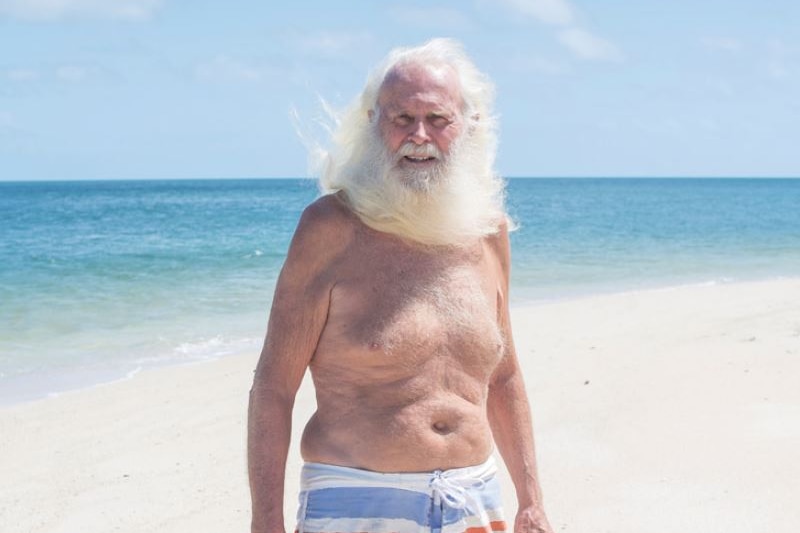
(298, 315)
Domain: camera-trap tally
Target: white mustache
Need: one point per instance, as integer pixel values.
(424, 150)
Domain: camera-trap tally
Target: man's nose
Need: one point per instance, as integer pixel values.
(419, 135)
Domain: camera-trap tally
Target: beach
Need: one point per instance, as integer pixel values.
(655, 411)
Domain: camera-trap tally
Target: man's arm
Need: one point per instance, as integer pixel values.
(509, 413)
(298, 315)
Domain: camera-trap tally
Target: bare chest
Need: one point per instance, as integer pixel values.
(402, 314)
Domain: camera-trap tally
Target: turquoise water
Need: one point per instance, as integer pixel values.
(101, 279)
(589, 235)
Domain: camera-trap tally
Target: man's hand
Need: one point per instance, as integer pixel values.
(532, 520)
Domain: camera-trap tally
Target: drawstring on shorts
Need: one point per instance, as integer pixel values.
(453, 490)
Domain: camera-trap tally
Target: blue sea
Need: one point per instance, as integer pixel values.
(99, 280)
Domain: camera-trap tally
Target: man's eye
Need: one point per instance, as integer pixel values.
(403, 120)
(440, 122)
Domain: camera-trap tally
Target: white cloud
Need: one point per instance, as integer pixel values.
(724, 44)
(334, 44)
(779, 59)
(525, 63)
(226, 69)
(72, 73)
(22, 74)
(777, 69)
(56, 9)
(562, 14)
(12, 136)
(556, 12)
(588, 46)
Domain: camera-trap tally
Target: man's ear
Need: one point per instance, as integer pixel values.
(371, 114)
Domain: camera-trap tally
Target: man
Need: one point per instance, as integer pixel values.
(395, 294)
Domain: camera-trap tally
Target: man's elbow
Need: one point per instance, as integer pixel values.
(510, 376)
(268, 396)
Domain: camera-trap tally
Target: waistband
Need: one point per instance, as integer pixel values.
(450, 485)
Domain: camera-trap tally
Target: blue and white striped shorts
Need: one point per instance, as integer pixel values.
(336, 499)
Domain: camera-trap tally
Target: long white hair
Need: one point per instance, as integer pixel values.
(467, 204)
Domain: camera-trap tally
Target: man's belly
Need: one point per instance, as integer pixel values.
(440, 431)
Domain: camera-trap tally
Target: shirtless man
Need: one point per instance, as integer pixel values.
(395, 294)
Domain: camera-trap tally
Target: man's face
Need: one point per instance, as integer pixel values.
(420, 116)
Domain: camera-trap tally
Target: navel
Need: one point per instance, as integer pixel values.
(441, 427)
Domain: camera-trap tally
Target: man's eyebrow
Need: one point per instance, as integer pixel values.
(443, 115)
(395, 110)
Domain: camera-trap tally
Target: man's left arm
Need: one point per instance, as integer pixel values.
(510, 417)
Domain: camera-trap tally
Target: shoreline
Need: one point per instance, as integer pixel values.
(71, 380)
(527, 296)
(654, 411)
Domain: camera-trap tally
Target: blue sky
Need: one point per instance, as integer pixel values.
(113, 89)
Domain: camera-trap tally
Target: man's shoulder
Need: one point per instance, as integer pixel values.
(325, 226)
(326, 211)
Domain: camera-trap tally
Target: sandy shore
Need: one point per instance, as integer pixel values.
(656, 412)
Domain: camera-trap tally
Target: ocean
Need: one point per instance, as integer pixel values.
(100, 279)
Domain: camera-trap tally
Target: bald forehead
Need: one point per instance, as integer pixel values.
(407, 79)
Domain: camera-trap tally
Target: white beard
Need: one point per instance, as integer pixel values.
(456, 200)
(422, 179)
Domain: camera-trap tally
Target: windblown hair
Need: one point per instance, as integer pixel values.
(469, 203)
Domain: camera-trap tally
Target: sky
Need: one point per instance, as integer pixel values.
(152, 89)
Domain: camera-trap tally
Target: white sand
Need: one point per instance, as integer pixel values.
(661, 411)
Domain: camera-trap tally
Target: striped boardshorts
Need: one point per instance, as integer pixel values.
(336, 499)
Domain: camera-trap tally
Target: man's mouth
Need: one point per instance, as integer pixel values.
(419, 159)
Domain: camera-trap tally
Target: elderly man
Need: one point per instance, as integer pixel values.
(395, 295)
